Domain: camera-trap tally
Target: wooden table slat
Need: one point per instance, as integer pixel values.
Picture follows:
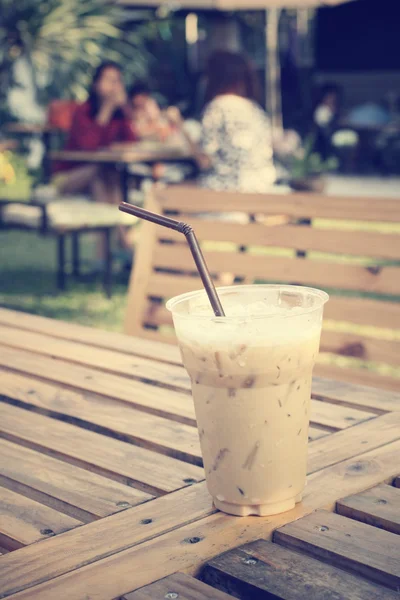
(159, 557)
(24, 521)
(109, 457)
(90, 336)
(264, 570)
(367, 398)
(186, 588)
(315, 433)
(352, 442)
(379, 506)
(63, 486)
(161, 402)
(356, 547)
(103, 539)
(335, 416)
(142, 369)
(141, 428)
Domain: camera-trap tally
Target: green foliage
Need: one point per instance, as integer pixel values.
(63, 40)
(309, 163)
(15, 180)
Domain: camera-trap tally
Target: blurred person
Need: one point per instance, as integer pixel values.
(326, 112)
(153, 124)
(148, 119)
(235, 150)
(98, 123)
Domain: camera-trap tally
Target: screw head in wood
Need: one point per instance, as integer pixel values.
(250, 561)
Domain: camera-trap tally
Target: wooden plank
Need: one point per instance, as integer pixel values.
(315, 433)
(124, 462)
(137, 368)
(142, 429)
(167, 286)
(185, 548)
(296, 237)
(356, 547)
(103, 538)
(363, 311)
(379, 507)
(326, 274)
(153, 433)
(362, 396)
(336, 416)
(90, 336)
(185, 588)
(138, 282)
(186, 197)
(62, 486)
(352, 442)
(150, 399)
(24, 521)
(358, 376)
(264, 570)
(360, 346)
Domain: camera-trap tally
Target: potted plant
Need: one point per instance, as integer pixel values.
(308, 168)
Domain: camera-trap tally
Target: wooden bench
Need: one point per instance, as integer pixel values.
(49, 214)
(350, 248)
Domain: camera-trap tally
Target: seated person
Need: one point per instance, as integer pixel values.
(98, 123)
(152, 124)
(235, 151)
(325, 118)
(148, 119)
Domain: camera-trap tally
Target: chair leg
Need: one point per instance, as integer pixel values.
(75, 254)
(107, 282)
(61, 262)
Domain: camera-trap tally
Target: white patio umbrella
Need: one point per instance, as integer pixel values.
(273, 8)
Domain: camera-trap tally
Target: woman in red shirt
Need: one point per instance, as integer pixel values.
(99, 122)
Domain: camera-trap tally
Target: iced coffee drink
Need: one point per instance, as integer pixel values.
(251, 381)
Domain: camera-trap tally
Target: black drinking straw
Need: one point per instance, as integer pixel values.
(193, 245)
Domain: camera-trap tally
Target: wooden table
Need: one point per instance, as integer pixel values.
(102, 488)
(122, 155)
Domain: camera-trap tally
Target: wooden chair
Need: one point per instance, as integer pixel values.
(350, 249)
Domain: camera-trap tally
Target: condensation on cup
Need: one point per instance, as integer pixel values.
(251, 380)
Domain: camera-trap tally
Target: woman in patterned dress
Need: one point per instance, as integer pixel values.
(235, 152)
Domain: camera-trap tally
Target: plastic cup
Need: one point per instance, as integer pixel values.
(251, 377)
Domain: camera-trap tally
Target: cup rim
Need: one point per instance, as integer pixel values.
(177, 300)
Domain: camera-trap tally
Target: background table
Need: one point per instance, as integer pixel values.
(123, 155)
(101, 480)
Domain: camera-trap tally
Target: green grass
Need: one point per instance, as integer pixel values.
(27, 283)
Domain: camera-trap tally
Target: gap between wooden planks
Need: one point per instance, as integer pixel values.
(112, 576)
(189, 547)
